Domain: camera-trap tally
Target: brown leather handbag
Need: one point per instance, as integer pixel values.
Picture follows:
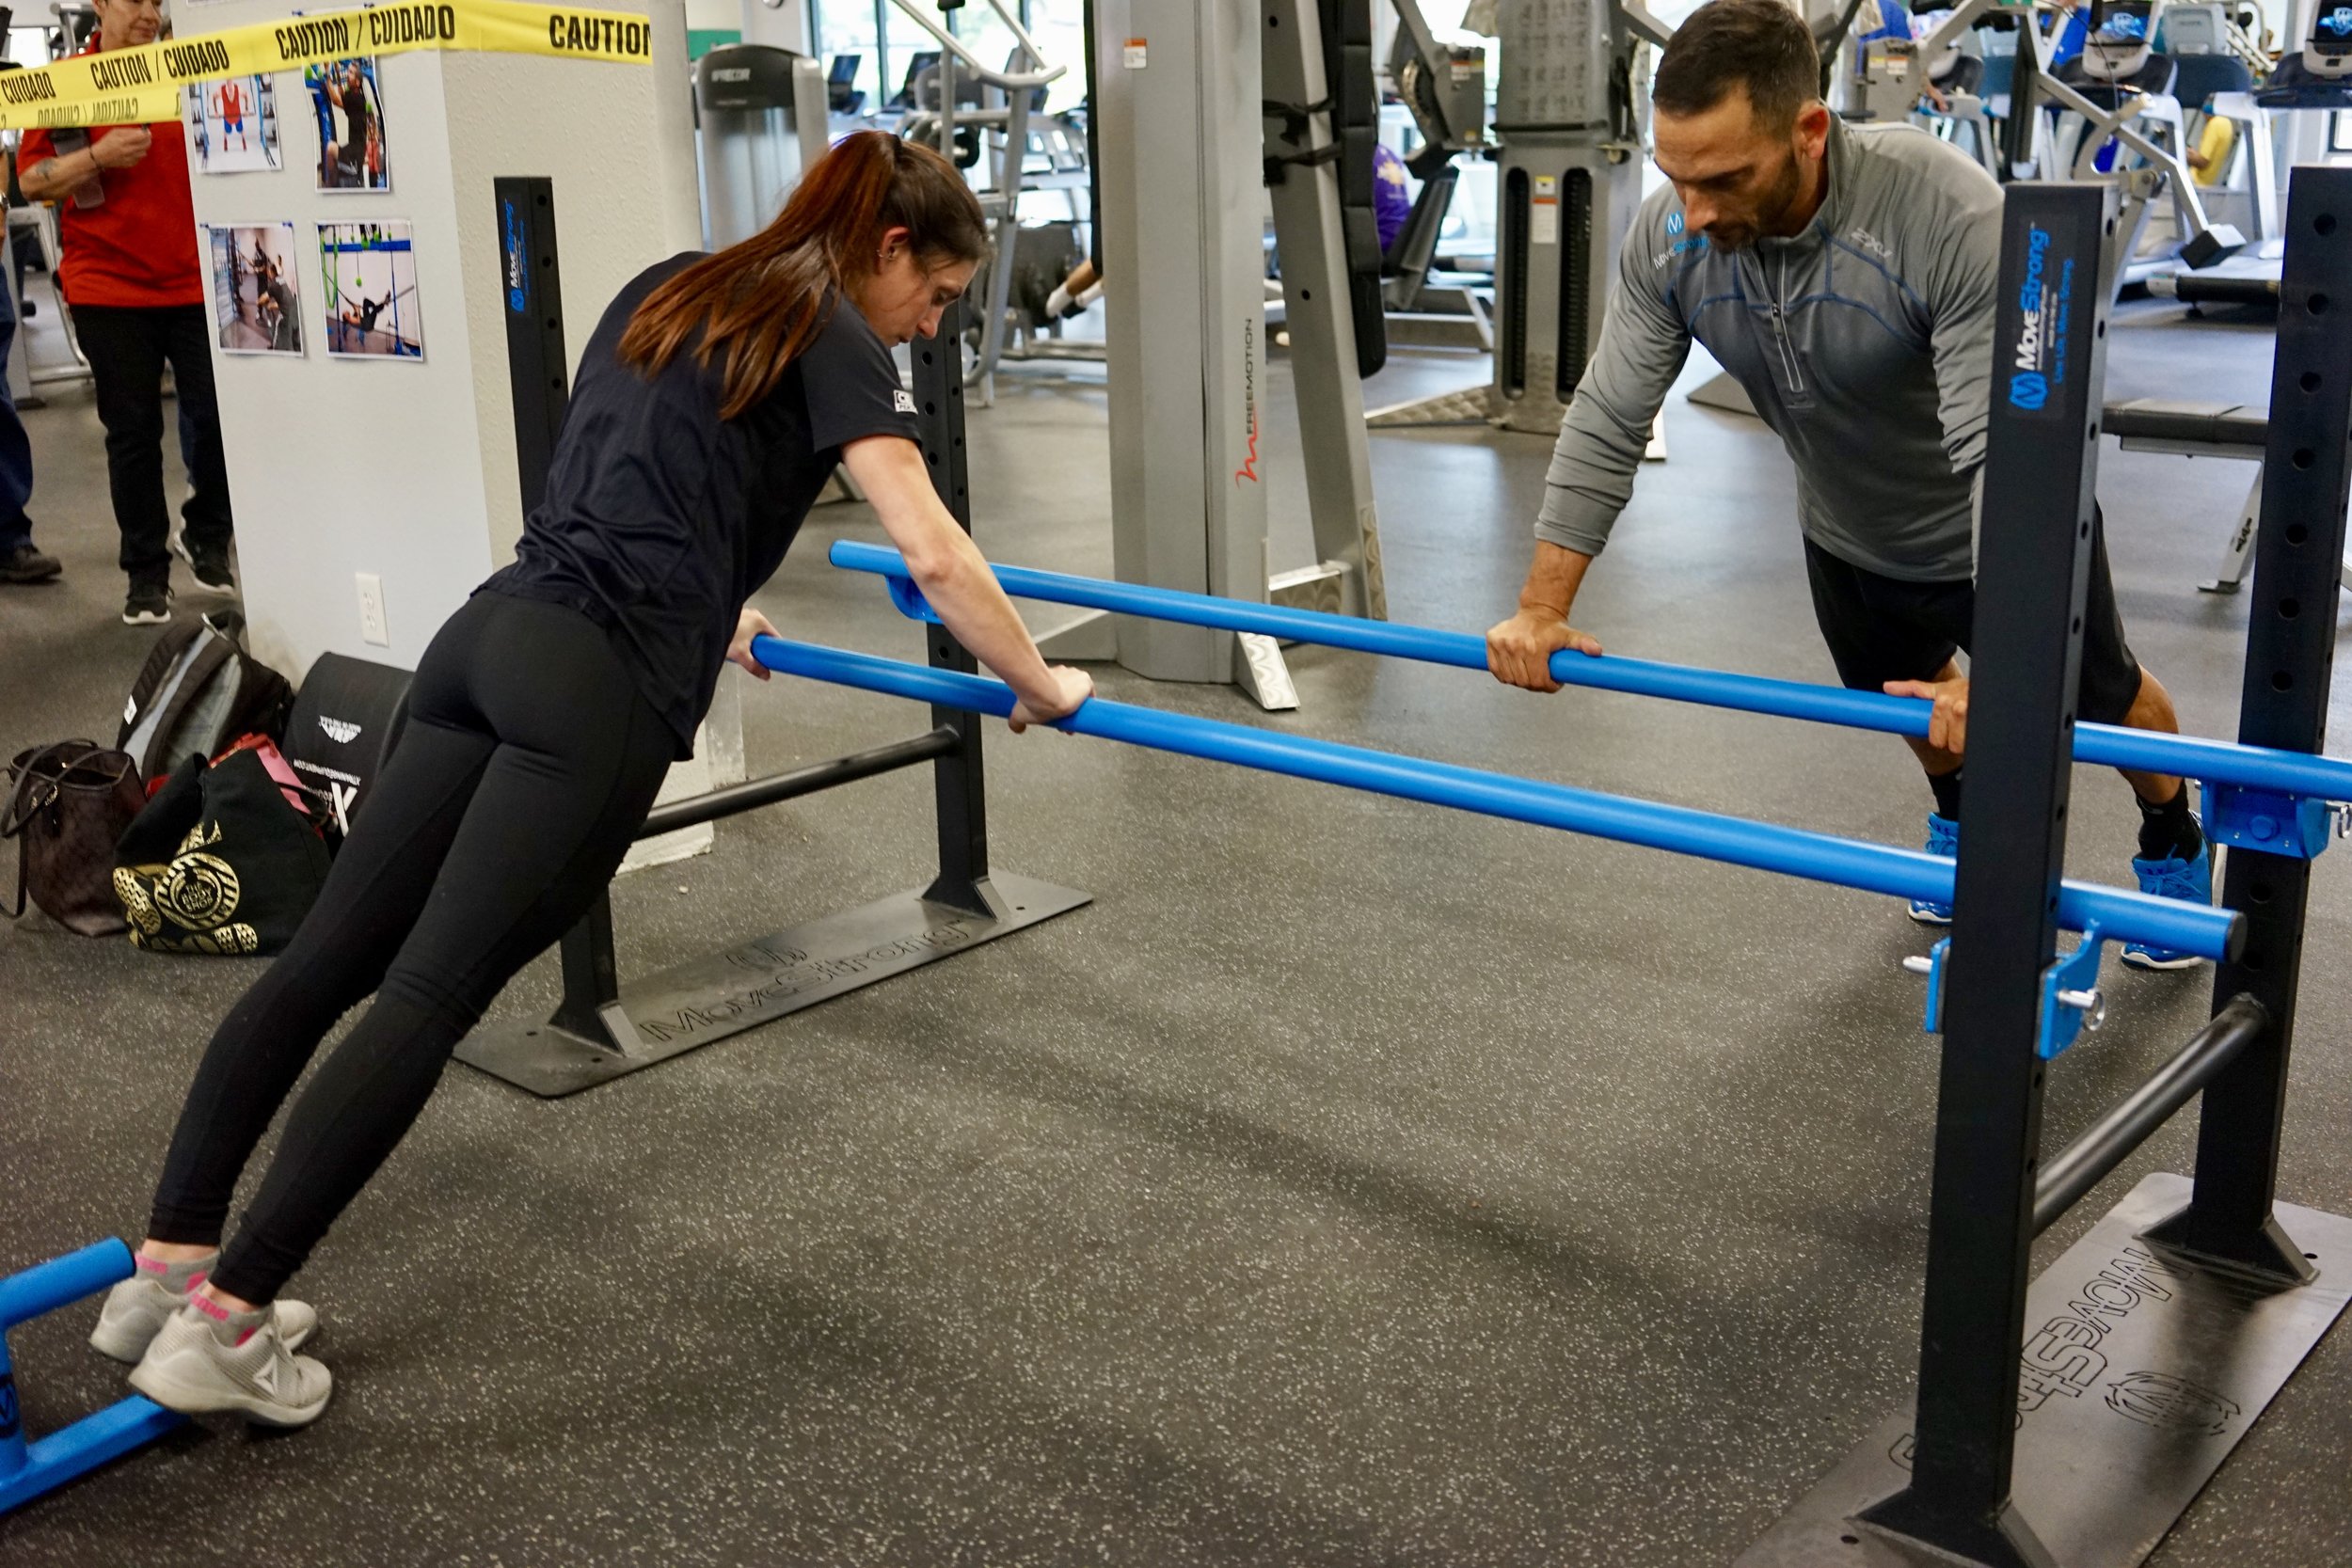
(68, 804)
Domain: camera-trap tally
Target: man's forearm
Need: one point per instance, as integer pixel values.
(1554, 579)
(53, 177)
(1520, 650)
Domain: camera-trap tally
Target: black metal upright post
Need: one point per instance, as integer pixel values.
(2025, 118)
(960, 781)
(536, 367)
(2290, 649)
(2040, 464)
(2153, 1344)
(538, 374)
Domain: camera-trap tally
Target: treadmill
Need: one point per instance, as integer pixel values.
(2317, 77)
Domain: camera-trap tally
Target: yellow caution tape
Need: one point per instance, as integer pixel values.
(130, 87)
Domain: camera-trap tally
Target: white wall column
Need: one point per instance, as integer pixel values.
(404, 469)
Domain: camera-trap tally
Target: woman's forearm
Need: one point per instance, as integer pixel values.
(949, 567)
(964, 591)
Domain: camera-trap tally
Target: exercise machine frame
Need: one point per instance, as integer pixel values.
(2194, 429)
(1194, 99)
(1004, 122)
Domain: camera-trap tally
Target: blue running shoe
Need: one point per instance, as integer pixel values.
(2191, 881)
(1943, 839)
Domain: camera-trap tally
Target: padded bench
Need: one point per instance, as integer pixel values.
(2206, 430)
(2235, 429)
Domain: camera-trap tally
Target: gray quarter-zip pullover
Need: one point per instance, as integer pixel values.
(1866, 341)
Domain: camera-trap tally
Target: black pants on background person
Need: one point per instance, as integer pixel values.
(527, 766)
(127, 347)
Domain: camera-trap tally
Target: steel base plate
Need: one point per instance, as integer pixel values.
(1470, 406)
(2141, 1372)
(709, 999)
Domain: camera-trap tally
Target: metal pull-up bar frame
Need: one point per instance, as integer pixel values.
(973, 65)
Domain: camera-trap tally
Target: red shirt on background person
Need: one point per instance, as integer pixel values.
(138, 246)
(134, 283)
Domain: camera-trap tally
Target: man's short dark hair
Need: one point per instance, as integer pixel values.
(1761, 46)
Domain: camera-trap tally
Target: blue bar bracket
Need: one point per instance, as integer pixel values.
(2274, 823)
(29, 1469)
(2071, 999)
(909, 599)
(1932, 1019)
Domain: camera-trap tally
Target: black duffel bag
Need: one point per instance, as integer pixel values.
(220, 862)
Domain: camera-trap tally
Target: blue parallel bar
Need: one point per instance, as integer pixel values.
(46, 1287)
(2296, 774)
(95, 1439)
(1765, 847)
(29, 1469)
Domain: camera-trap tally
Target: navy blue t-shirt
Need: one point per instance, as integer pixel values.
(661, 519)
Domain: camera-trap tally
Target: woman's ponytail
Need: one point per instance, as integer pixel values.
(760, 304)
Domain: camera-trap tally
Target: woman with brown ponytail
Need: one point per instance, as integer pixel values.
(715, 398)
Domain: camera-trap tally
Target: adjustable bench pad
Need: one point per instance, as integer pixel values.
(2216, 425)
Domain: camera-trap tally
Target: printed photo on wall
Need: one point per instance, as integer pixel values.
(371, 276)
(254, 299)
(350, 110)
(235, 124)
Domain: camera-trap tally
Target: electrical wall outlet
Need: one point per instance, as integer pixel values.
(371, 627)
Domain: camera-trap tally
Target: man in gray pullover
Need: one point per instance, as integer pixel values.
(1845, 277)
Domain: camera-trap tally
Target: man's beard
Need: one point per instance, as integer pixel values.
(1772, 208)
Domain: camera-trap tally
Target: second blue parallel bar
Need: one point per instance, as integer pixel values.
(2122, 916)
(46, 1287)
(2296, 773)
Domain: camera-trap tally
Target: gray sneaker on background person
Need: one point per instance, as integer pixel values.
(20, 562)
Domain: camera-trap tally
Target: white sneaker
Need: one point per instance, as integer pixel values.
(204, 1360)
(137, 1308)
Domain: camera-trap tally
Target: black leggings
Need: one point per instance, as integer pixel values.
(527, 766)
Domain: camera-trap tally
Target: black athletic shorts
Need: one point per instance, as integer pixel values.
(1881, 629)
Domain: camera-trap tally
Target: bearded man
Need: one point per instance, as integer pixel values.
(1845, 277)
